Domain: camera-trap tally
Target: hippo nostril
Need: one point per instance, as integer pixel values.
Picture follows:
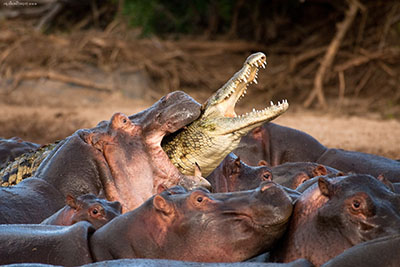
(267, 185)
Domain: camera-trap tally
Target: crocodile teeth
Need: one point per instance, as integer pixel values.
(272, 103)
(255, 81)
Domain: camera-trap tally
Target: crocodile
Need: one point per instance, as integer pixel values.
(25, 165)
(204, 142)
(218, 130)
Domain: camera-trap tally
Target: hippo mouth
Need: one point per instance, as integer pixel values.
(249, 220)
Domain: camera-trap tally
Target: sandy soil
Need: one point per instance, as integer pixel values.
(45, 111)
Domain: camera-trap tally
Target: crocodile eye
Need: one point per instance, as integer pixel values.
(199, 199)
(124, 120)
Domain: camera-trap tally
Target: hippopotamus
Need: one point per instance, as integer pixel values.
(174, 224)
(174, 263)
(383, 251)
(49, 244)
(342, 212)
(278, 144)
(120, 160)
(293, 174)
(234, 175)
(198, 226)
(87, 207)
(14, 147)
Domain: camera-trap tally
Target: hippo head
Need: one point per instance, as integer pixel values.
(198, 226)
(293, 174)
(361, 206)
(92, 209)
(122, 159)
(337, 213)
(234, 175)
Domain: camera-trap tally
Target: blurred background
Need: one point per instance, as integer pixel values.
(68, 64)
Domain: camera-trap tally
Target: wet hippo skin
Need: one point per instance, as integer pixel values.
(382, 251)
(234, 175)
(293, 174)
(50, 244)
(87, 207)
(120, 160)
(278, 144)
(342, 212)
(175, 224)
(174, 263)
(197, 226)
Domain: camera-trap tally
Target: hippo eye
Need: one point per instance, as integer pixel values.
(266, 177)
(356, 204)
(95, 211)
(124, 120)
(199, 199)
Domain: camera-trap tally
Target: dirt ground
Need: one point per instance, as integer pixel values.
(43, 111)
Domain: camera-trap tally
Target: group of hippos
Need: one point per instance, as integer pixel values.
(113, 195)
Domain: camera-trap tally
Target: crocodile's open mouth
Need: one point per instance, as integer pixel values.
(235, 89)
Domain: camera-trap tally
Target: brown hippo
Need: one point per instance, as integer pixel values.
(382, 251)
(198, 226)
(87, 207)
(293, 174)
(50, 244)
(352, 161)
(278, 144)
(175, 224)
(174, 263)
(336, 214)
(120, 160)
(14, 147)
(234, 175)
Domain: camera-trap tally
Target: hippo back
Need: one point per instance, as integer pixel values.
(48, 244)
(31, 201)
(382, 251)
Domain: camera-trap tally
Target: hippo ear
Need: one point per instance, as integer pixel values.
(162, 205)
(319, 170)
(71, 201)
(383, 179)
(263, 163)
(325, 186)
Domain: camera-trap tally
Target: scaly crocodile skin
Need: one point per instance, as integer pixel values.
(25, 165)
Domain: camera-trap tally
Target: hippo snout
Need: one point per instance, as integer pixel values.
(273, 200)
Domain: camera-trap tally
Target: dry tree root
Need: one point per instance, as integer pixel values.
(59, 77)
(330, 54)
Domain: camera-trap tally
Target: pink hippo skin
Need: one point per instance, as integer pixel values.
(87, 207)
(234, 175)
(120, 160)
(175, 224)
(197, 226)
(336, 214)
